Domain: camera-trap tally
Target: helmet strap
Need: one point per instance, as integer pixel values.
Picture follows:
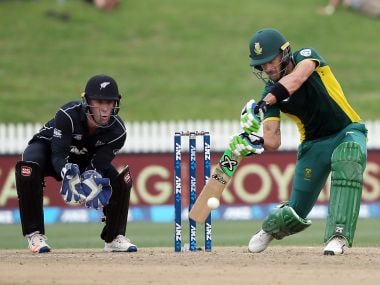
(86, 106)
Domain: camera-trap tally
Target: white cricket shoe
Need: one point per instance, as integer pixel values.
(259, 242)
(37, 243)
(120, 244)
(335, 246)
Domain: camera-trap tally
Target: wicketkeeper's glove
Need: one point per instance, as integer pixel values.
(71, 188)
(97, 189)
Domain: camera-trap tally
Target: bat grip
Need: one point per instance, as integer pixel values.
(261, 107)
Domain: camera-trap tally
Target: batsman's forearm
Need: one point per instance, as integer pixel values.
(272, 135)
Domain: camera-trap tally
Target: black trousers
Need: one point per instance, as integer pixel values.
(30, 198)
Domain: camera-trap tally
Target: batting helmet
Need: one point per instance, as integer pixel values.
(265, 45)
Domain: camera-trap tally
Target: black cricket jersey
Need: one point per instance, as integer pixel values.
(70, 141)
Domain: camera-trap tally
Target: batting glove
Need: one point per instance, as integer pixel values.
(71, 188)
(250, 121)
(246, 145)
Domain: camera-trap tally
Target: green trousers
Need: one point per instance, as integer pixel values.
(314, 166)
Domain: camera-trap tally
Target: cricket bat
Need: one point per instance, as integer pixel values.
(219, 179)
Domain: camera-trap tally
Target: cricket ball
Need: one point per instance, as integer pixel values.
(213, 203)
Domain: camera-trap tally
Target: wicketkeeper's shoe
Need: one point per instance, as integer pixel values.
(259, 242)
(37, 243)
(335, 246)
(120, 244)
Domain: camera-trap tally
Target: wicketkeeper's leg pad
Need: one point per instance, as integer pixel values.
(348, 164)
(284, 221)
(29, 185)
(116, 212)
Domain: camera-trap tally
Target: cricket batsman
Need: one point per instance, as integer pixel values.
(302, 86)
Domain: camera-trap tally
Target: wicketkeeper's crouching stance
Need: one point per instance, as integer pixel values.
(77, 147)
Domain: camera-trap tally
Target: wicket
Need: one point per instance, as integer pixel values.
(192, 187)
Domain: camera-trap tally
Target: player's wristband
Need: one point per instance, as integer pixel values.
(280, 92)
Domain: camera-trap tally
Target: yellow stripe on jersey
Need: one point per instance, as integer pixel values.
(298, 122)
(300, 126)
(335, 91)
(271, 119)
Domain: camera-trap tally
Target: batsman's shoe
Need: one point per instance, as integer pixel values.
(37, 243)
(259, 242)
(335, 246)
(120, 244)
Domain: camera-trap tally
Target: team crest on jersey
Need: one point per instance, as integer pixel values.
(77, 137)
(258, 49)
(99, 143)
(57, 133)
(306, 52)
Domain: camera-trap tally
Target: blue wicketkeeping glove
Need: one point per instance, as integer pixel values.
(245, 145)
(250, 121)
(96, 188)
(71, 188)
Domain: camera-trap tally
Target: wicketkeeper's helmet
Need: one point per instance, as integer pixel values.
(102, 87)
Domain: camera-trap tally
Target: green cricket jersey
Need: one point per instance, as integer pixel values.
(318, 107)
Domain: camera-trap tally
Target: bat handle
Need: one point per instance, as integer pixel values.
(261, 108)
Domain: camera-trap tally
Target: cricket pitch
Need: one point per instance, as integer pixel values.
(224, 265)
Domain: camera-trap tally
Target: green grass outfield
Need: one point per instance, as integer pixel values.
(232, 233)
(174, 60)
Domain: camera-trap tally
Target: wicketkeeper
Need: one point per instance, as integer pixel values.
(77, 147)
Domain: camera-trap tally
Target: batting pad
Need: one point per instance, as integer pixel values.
(348, 163)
